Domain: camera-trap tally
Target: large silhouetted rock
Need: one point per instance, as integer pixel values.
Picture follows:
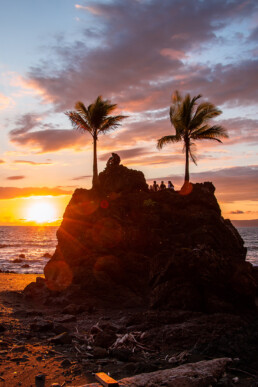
(167, 249)
(118, 178)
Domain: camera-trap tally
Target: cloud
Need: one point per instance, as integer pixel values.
(236, 212)
(31, 132)
(232, 184)
(31, 162)
(126, 154)
(15, 177)
(14, 192)
(241, 130)
(51, 140)
(136, 53)
(5, 102)
(254, 35)
(140, 56)
(93, 10)
(26, 123)
(82, 177)
(46, 138)
(233, 84)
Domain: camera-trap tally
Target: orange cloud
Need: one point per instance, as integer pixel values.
(15, 192)
(15, 177)
(31, 162)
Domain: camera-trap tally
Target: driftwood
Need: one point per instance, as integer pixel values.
(200, 374)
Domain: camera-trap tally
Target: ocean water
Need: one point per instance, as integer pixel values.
(250, 236)
(33, 242)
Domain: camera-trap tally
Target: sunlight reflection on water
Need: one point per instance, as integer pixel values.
(31, 241)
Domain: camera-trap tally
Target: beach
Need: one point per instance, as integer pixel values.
(24, 351)
(31, 343)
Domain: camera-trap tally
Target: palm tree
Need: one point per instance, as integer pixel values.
(94, 119)
(191, 122)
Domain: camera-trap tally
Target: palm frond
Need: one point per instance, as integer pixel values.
(210, 133)
(81, 109)
(204, 112)
(192, 149)
(98, 112)
(176, 98)
(191, 122)
(78, 122)
(111, 123)
(166, 140)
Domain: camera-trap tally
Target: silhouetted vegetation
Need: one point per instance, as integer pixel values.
(191, 122)
(95, 119)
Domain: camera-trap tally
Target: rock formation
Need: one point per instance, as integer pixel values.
(125, 246)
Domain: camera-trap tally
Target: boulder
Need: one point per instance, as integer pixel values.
(46, 255)
(117, 178)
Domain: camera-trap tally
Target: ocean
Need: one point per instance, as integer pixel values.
(22, 248)
(26, 249)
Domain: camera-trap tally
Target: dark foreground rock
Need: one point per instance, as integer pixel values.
(123, 246)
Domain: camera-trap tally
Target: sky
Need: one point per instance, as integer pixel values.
(135, 53)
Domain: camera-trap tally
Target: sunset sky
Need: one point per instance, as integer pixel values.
(135, 53)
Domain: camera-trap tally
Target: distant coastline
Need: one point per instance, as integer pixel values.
(245, 223)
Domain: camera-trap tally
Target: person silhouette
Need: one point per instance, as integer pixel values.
(155, 186)
(170, 185)
(162, 186)
(113, 160)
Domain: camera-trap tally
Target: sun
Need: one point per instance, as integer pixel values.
(41, 212)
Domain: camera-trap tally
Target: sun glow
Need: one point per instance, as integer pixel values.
(41, 212)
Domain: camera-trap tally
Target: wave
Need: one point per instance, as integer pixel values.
(24, 245)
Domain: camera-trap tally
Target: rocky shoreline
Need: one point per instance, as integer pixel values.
(150, 287)
(68, 343)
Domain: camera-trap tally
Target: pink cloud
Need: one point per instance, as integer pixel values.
(46, 138)
(140, 54)
(241, 130)
(139, 60)
(173, 54)
(51, 140)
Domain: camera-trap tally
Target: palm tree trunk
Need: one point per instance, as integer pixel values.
(95, 178)
(187, 160)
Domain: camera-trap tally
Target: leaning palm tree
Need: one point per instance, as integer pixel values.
(94, 119)
(191, 122)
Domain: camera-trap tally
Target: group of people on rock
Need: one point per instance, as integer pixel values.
(155, 187)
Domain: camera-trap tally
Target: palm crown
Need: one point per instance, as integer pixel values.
(191, 122)
(94, 119)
